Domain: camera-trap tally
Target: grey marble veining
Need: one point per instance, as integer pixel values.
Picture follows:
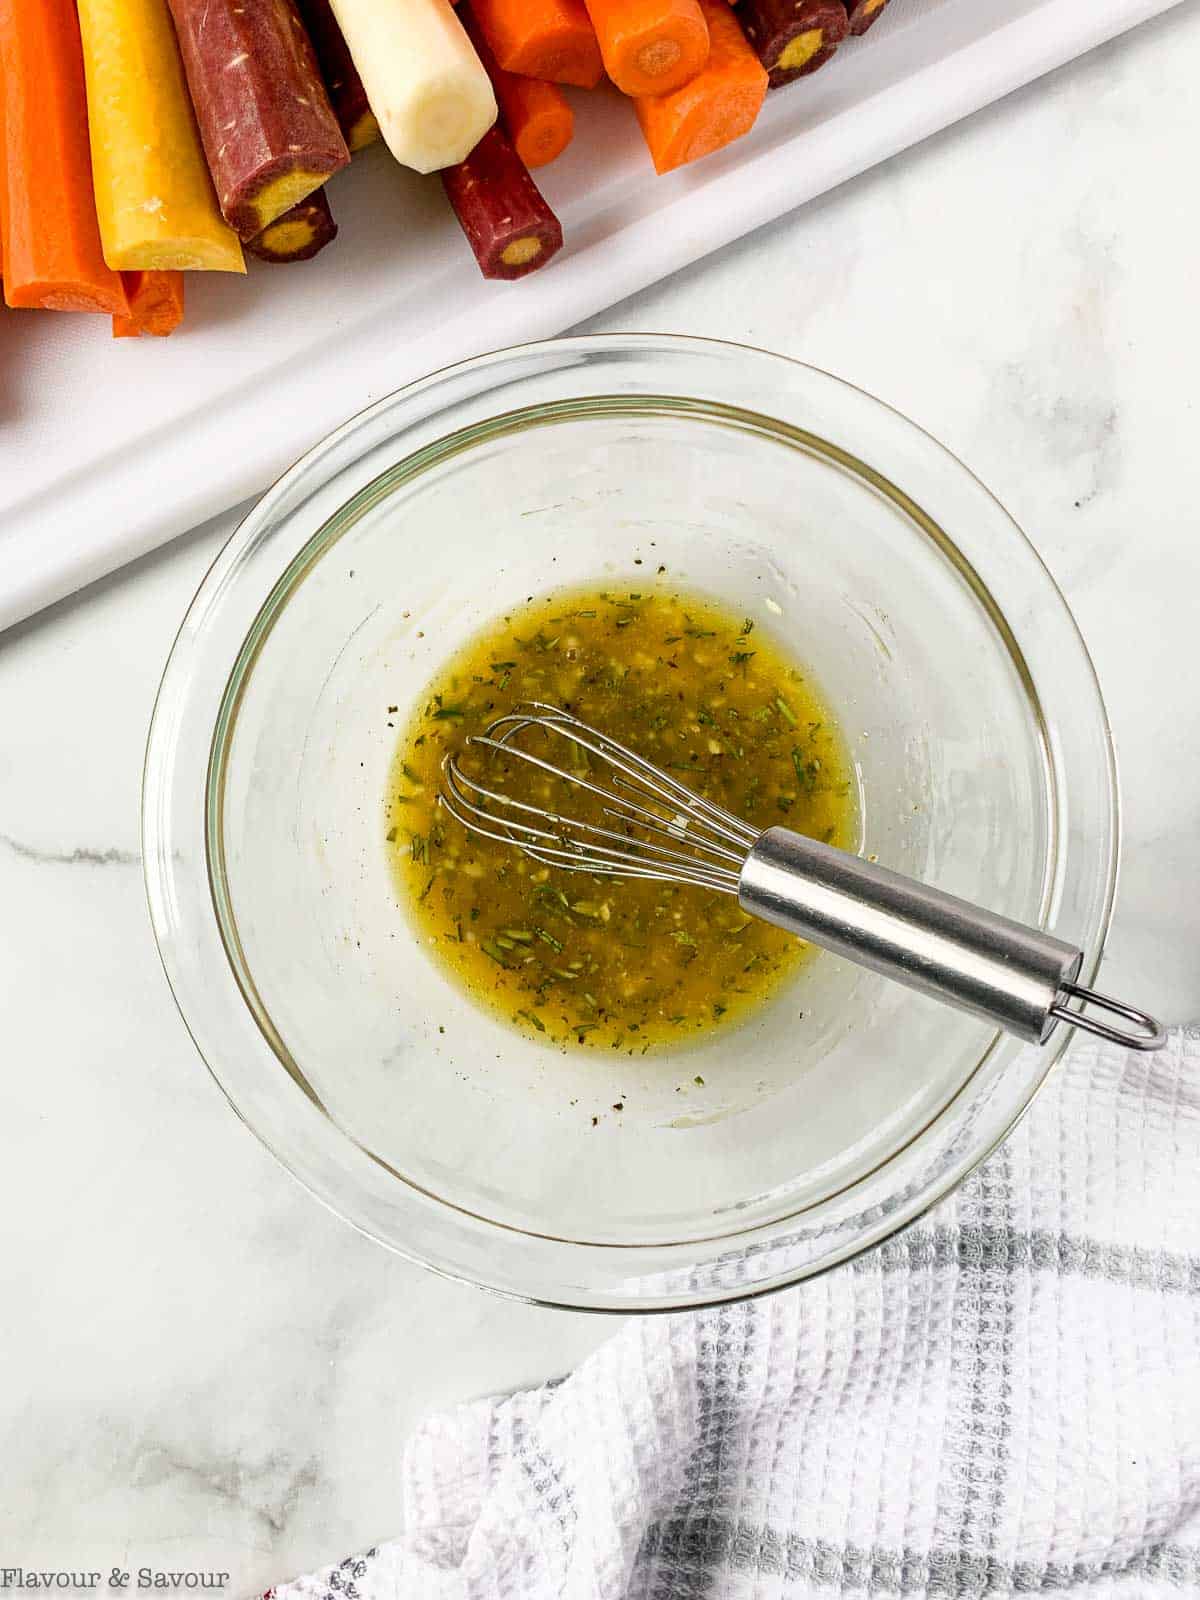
(202, 1367)
(80, 855)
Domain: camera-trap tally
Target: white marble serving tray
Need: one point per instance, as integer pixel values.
(109, 449)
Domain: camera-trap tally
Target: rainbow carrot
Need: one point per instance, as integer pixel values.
(155, 304)
(501, 210)
(342, 79)
(537, 116)
(51, 243)
(718, 106)
(793, 38)
(650, 46)
(267, 127)
(154, 197)
(298, 234)
(551, 39)
(423, 80)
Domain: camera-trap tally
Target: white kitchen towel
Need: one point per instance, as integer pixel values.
(1004, 1399)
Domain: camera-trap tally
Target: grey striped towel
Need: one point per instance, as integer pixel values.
(1004, 1399)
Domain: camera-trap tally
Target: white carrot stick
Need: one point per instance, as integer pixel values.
(425, 84)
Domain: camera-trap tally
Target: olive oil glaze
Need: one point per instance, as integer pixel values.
(627, 966)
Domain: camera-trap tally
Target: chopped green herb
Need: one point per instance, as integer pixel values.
(726, 731)
(548, 892)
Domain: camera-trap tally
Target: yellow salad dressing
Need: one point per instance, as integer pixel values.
(599, 962)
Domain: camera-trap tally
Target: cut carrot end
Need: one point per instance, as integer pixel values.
(650, 46)
(793, 38)
(552, 40)
(541, 140)
(800, 51)
(508, 224)
(275, 197)
(155, 304)
(863, 13)
(716, 107)
(521, 252)
(658, 57)
(299, 234)
(558, 60)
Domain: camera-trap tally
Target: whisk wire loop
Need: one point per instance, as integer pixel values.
(1017, 977)
(667, 832)
(634, 770)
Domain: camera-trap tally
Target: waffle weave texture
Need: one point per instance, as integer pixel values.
(1005, 1399)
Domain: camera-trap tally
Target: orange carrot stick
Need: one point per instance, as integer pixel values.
(650, 46)
(536, 115)
(550, 39)
(716, 107)
(52, 251)
(155, 304)
(3, 180)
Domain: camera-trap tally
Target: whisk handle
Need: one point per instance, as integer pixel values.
(1016, 977)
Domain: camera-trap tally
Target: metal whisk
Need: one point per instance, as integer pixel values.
(1016, 977)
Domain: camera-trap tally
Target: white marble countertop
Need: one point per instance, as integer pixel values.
(204, 1369)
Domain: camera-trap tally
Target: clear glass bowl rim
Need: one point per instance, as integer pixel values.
(167, 813)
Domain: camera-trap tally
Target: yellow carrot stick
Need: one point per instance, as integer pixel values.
(154, 197)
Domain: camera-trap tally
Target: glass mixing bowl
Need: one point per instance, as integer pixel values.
(965, 693)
